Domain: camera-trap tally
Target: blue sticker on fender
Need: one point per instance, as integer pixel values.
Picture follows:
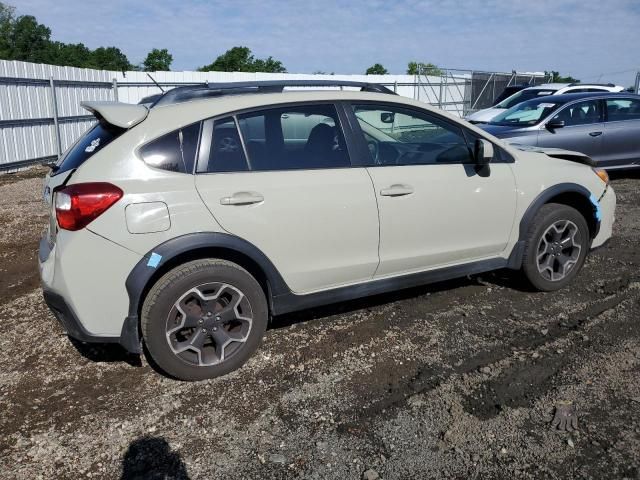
(596, 204)
(154, 260)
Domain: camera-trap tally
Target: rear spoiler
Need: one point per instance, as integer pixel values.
(123, 115)
(576, 157)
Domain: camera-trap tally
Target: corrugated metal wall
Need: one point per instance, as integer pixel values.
(27, 114)
(27, 126)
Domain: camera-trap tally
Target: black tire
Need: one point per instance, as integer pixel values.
(159, 316)
(548, 215)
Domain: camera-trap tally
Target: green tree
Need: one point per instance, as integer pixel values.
(555, 77)
(23, 38)
(109, 58)
(69, 54)
(240, 59)
(29, 40)
(415, 68)
(158, 61)
(376, 69)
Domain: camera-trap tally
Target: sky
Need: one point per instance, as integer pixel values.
(593, 40)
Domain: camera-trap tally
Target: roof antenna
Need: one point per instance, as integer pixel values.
(154, 81)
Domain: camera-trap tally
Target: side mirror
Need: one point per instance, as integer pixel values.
(553, 124)
(483, 152)
(387, 117)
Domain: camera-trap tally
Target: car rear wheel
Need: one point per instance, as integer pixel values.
(556, 246)
(204, 319)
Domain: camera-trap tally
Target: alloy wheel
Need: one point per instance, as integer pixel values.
(209, 323)
(558, 250)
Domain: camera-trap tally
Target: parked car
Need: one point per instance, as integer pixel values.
(606, 127)
(488, 114)
(187, 224)
(510, 90)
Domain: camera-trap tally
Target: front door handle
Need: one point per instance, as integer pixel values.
(595, 134)
(242, 198)
(396, 190)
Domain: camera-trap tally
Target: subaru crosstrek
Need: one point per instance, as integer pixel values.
(187, 222)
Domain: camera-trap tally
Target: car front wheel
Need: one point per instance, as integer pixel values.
(556, 246)
(204, 319)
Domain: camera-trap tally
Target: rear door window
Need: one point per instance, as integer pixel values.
(298, 137)
(623, 109)
(96, 138)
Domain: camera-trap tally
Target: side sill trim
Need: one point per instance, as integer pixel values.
(290, 302)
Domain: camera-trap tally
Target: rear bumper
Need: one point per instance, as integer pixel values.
(129, 337)
(86, 296)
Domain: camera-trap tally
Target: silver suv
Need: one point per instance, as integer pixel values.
(188, 222)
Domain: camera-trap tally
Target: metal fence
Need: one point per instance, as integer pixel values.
(40, 113)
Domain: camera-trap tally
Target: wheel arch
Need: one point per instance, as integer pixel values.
(179, 250)
(570, 194)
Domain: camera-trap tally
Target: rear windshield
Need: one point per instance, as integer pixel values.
(98, 137)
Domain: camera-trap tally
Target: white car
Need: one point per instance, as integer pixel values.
(186, 225)
(488, 114)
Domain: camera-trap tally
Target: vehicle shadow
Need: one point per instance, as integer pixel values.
(503, 278)
(152, 458)
(105, 353)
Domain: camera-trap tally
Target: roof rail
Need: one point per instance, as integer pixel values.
(591, 84)
(204, 90)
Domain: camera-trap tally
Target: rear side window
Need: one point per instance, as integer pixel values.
(96, 138)
(174, 151)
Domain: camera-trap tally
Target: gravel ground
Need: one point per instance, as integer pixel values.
(454, 380)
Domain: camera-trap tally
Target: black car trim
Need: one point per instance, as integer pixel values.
(128, 338)
(290, 301)
(146, 270)
(515, 258)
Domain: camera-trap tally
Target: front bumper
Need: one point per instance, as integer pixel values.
(607, 212)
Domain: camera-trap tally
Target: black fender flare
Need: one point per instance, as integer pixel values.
(515, 259)
(148, 268)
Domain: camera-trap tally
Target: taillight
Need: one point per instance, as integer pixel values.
(78, 205)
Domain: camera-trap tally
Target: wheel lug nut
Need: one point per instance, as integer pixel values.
(215, 329)
(217, 319)
(204, 331)
(209, 314)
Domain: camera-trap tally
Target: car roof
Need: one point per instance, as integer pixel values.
(568, 97)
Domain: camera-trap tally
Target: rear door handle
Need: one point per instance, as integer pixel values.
(242, 198)
(396, 190)
(595, 134)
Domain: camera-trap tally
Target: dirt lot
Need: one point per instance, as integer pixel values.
(455, 380)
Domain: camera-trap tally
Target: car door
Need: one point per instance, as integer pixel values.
(621, 142)
(436, 208)
(281, 178)
(583, 129)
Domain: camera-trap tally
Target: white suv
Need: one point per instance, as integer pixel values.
(187, 224)
(488, 114)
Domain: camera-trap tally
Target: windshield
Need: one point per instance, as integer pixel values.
(527, 113)
(524, 95)
(94, 140)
